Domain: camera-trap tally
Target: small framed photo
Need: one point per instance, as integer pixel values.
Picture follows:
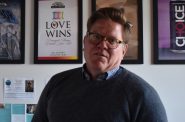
(58, 32)
(30, 108)
(133, 9)
(29, 85)
(169, 31)
(12, 39)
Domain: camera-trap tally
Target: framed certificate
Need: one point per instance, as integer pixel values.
(12, 23)
(169, 31)
(58, 31)
(133, 9)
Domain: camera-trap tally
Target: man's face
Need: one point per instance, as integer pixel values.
(99, 57)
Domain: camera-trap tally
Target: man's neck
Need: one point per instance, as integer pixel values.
(95, 75)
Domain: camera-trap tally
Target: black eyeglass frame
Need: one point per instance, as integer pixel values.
(105, 38)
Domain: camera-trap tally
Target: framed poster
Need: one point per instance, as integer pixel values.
(133, 9)
(169, 31)
(12, 23)
(58, 31)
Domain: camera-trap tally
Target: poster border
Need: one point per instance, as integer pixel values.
(139, 60)
(79, 39)
(156, 40)
(22, 37)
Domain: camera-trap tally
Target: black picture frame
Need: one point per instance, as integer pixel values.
(134, 15)
(12, 31)
(58, 32)
(165, 49)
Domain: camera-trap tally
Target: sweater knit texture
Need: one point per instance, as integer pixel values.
(126, 97)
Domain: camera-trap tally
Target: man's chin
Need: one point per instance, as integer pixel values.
(100, 65)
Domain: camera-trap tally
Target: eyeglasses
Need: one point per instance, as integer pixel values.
(96, 38)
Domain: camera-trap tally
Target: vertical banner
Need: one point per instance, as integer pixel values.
(169, 31)
(177, 26)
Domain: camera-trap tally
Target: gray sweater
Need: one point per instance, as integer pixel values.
(68, 97)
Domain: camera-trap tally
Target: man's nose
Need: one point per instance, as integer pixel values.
(102, 43)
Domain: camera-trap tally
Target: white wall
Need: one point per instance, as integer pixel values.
(168, 80)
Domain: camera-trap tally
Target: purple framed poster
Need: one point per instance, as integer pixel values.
(12, 23)
(169, 31)
(58, 32)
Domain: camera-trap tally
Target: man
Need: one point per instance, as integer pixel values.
(9, 44)
(101, 90)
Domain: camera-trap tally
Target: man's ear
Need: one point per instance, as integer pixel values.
(125, 48)
(84, 39)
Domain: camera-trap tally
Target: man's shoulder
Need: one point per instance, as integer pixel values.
(132, 78)
(63, 77)
(133, 82)
(67, 73)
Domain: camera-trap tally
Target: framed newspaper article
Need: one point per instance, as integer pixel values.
(133, 9)
(12, 23)
(58, 32)
(169, 31)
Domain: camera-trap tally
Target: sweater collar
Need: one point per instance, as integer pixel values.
(104, 76)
